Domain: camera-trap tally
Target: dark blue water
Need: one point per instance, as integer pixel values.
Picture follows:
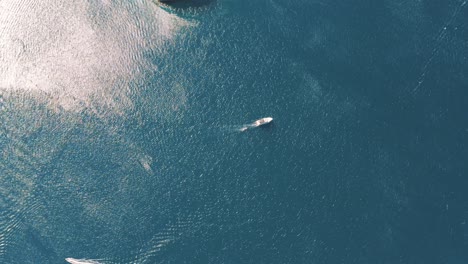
(120, 140)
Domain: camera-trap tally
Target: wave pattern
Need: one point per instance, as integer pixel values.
(81, 55)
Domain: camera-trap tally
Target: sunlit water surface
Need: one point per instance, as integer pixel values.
(120, 135)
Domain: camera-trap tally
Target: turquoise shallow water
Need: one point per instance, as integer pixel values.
(120, 138)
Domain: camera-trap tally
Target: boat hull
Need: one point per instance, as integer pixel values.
(262, 121)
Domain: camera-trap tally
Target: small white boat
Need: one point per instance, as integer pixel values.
(257, 123)
(262, 121)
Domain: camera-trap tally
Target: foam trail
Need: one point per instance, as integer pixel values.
(235, 128)
(245, 127)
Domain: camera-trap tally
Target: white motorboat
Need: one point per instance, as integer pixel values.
(257, 123)
(262, 121)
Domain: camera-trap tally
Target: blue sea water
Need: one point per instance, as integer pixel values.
(120, 135)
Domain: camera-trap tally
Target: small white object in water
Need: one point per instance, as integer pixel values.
(257, 123)
(262, 121)
(81, 261)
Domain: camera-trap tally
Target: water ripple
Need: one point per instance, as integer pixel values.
(81, 55)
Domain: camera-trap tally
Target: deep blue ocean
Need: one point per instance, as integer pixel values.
(121, 141)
